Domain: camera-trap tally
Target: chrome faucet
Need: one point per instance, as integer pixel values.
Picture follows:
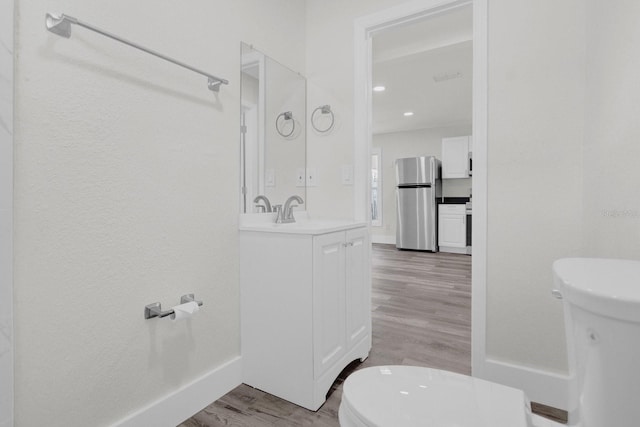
(266, 207)
(287, 211)
(278, 210)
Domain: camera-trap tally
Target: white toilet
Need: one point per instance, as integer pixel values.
(601, 299)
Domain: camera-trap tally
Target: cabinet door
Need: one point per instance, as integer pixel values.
(452, 229)
(358, 290)
(455, 157)
(329, 323)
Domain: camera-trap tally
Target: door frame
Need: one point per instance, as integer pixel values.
(6, 217)
(364, 28)
(250, 60)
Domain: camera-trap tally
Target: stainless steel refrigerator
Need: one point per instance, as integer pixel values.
(418, 187)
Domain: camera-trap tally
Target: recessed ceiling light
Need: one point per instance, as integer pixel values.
(408, 113)
(379, 88)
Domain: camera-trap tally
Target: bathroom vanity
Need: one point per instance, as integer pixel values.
(305, 305)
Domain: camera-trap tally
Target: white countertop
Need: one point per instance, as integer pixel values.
(303, 225)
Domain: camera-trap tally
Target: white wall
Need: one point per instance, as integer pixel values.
(330, 49)
(536, 94)
(126, 193)
(6, 213)
(564, 99)
(611, 149)
(396, 145)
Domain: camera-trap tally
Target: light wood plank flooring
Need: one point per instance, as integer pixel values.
(421, 316)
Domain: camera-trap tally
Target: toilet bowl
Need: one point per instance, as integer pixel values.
(601, 300)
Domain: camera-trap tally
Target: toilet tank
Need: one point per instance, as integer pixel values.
(601, 300)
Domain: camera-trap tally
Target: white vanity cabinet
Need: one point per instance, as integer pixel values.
(452, 228)
(305, 309)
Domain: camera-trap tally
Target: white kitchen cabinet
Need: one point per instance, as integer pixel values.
(455, 157)
(452, 228)
(305, 310)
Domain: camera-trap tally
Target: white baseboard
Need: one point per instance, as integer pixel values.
(453, 250)
(540, 386)
(188, 400)
(383, 238)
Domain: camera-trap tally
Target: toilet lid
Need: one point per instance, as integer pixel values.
(400, 396)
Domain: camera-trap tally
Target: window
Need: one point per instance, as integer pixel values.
(376, 187)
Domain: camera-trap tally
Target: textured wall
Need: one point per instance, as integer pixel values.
(611, 149)
(563, 156)
(126, 193)
(536, 119)
(6, 212)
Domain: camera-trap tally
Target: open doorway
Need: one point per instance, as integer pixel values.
(366, 28)
(421, 98)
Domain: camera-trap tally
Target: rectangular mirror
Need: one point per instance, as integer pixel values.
(273, 132)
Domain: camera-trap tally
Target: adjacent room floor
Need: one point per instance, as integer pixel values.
(421, 315)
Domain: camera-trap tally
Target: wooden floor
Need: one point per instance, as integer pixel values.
(421, 315)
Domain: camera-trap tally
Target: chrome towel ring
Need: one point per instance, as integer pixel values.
(324, 109)
(288, 115)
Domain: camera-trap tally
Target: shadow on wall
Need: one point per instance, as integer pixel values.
(49, 52)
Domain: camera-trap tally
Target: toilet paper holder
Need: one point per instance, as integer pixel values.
(155, 309)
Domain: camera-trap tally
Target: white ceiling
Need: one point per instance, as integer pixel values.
(405, 61)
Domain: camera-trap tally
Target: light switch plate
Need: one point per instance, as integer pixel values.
(312, 177)
(347, 174)
(300, 177)
(270, 178)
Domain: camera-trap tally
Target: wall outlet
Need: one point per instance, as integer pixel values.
(312, 177)
(270, 178)
(347, 174)
(300, 177)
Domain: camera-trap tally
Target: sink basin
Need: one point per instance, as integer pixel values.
(303, 224)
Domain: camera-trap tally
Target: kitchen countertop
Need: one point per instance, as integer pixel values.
(453, 200)
(457, 201)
